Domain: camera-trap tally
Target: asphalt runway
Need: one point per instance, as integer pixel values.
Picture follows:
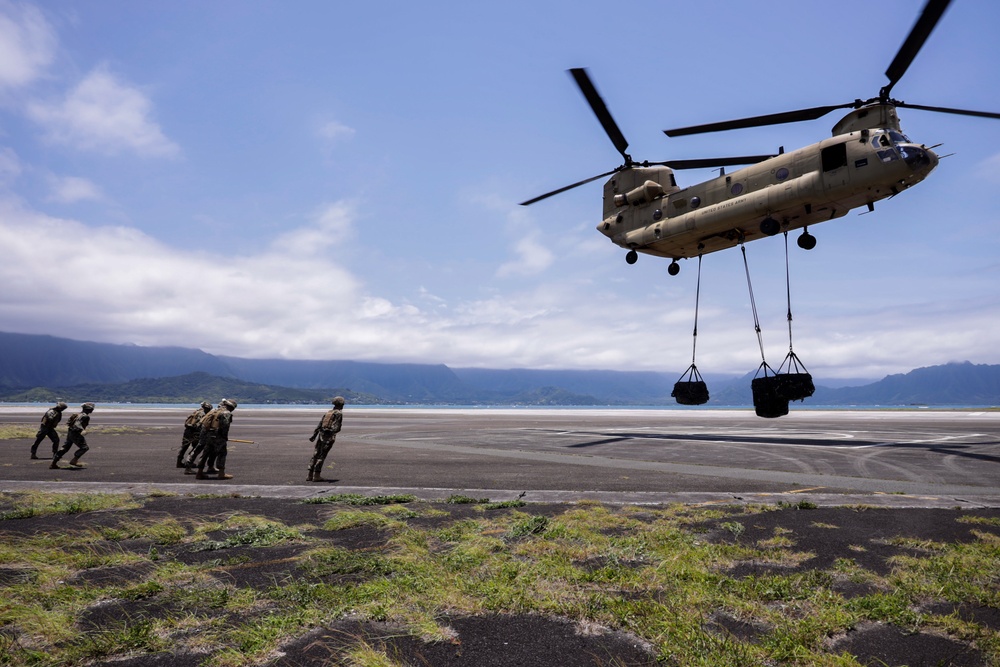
(900, 458)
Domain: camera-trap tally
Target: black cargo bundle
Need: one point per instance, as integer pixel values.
(768, 400)
(794, 383)
(691, 389)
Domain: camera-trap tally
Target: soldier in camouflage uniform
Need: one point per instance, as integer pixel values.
(324, 436)
(192, 429)
(215, 433)
(47, 428)
(76, 435)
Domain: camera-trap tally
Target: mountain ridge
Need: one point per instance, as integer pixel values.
(45, 365)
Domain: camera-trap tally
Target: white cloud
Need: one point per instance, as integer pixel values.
(531, 257)
(116, 284)
(332, 226)
(72, 189)
(334, 131)
(27, 44)
(104, 115)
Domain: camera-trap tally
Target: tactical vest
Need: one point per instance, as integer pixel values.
(72, 420)
(51, 417)
(211, 421)
(194, 419)
(329, 419)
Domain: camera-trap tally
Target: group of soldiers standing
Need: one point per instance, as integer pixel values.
(204, 443)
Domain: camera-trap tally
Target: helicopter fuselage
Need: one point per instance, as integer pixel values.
(868, 159)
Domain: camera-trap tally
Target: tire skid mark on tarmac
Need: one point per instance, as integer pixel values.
(724, 472)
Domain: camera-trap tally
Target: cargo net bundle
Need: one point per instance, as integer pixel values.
(773, 391)
(691, 389)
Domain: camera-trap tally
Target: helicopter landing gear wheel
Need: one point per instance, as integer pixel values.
(631, 257)
(770, 227)
(674, 268)
(806, 241)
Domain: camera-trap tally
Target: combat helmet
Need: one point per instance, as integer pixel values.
(338, 401)
(87, 407)
(206, 405)
(228, 404)
(60, 406)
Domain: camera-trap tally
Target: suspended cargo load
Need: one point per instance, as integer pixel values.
(690, 389)
(768, 400)
(794, 383)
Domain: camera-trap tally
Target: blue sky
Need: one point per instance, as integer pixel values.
(324, 180)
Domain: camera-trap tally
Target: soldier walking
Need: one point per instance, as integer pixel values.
(47, 428)
(324, 436)
(192, 429)
(215, 434)
(76, 435)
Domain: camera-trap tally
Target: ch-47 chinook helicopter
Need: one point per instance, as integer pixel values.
(867, 159)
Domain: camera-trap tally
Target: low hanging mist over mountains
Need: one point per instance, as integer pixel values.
(45, 368)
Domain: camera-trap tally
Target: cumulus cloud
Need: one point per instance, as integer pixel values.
(117, 284)
(73, 189)
(531, 257)
(27, 44)
(105, 115)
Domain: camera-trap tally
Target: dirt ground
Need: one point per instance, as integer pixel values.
(507, 639)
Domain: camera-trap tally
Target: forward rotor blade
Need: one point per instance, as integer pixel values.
(568, 187)
(758, 121)
(706, 163)
(929, 18)
(600, 110)
(959, 112)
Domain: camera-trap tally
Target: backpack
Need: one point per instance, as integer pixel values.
(329, 420)
(210, 422)
(194, 419)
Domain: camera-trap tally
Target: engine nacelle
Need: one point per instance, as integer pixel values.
(646, 192)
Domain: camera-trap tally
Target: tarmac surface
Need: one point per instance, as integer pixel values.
(901, 458)
(886, 480)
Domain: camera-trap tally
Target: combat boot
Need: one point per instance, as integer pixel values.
(180, 462)
(200, 474)
(223, 475)
(317, 477)
(75, 461)
(310, 477)
(54, 466)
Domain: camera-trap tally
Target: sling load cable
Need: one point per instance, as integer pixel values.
(795, 383)
(691, 389)
(766, 400)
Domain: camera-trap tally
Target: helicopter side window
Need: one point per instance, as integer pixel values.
(883, 140)
(834, 157)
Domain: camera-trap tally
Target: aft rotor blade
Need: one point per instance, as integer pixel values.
(600, 110)
(759, 121)
(568, 187)
(960, 112)
(929, 18)
(706, 163)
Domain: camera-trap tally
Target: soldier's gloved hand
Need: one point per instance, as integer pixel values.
(312, 438)
(83, 432)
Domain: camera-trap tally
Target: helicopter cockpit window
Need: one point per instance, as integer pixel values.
(899, 137)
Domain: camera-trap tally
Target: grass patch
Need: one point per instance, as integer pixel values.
(653, 572)
(358, 499)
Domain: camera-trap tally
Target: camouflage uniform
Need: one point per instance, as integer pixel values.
(47, 429)
(192, 431)
(75, 436)
(324, 437)
(215, 435)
